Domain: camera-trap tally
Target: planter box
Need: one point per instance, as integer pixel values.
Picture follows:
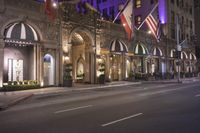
(67, 83)
(102, 79)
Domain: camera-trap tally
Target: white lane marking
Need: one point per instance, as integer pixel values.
(197, 95)
(122, 119)
(72, 109)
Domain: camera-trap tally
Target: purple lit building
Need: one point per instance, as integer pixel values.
(166, 13)
(33, 48)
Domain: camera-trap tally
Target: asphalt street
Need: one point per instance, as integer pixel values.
(145, 108)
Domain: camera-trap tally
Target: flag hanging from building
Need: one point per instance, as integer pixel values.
(126, 18)
(49, 9)
(154, 26)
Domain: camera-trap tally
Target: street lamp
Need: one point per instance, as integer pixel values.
(178, 47)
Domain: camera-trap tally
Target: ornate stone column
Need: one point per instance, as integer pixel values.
(2, 44)
(108, 66)
(59, 65)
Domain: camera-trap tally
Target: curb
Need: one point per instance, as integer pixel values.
(163, 82)
(15, 101)
(106, 86)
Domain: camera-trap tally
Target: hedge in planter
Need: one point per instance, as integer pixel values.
(67, 81)
(102, 73)
(19, 87)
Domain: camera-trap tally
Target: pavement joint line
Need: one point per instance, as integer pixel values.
(72, 109)
(108, 86)
(122, 119)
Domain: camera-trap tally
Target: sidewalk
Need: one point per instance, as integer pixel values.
(182, 80)
(8, 99)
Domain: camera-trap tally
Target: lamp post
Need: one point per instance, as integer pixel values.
(178, 48)
(95, 47)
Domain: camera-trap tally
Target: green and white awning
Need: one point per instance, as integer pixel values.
(20, 33)
(157, 52)
(192, 56)
(184, 55)
(140, 49)
(117, 46)
(173, 53)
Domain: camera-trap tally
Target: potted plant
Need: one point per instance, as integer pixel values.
(102, 73)
(131, 76)
(80, 77)
(67, 81)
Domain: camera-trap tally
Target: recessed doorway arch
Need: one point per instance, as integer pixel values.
(49, 67)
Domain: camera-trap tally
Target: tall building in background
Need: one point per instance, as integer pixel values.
(197, 28)
(166, 12)
(108, 8)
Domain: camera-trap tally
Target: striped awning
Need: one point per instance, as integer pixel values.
(118, 46)
(157, 52)
(20, 33)
(192, 56)
(140, 49)
(184, 55)
(173, 53)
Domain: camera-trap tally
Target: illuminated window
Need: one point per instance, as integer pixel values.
(191, 25)
(105, 12)
(172, 17)
(177, 3)
(190, 10)
(138, 3)
(112, 12)
(138, 20)
(173, 32)
(98, 1)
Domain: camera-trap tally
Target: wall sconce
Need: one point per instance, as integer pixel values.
(66, 59)
(41, 83)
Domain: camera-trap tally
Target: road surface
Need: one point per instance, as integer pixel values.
(145, 108)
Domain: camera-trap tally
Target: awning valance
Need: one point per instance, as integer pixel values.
(118, 46)
(140, 49)
(20, 33)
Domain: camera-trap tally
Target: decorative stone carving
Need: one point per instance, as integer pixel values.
(52, 31)
(2, 6)
(2, 44)
(29, 5)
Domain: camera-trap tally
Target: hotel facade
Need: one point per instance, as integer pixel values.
(32, 47)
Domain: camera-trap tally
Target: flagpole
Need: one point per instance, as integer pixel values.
(147, 16)
(121, 11)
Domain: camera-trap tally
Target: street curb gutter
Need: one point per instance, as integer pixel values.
(15, 101)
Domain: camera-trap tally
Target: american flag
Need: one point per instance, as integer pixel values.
(154, 26)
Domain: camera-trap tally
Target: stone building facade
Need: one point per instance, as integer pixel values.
(29, 43)
(32, 47)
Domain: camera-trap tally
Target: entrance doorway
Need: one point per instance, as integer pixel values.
(48, 66)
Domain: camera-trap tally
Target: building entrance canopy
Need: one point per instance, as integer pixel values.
(157, 52)
(118, 46)
(140, 49)
(20, 33)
